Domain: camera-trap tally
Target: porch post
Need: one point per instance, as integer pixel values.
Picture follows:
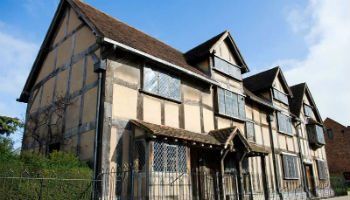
(264, 177)
(222, 165)
(239, 158)
(147, 168)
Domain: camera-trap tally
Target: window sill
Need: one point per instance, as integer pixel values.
(284, 103)
(159, 96)
(287, 134)
(227, 75)
(291, 179)
(230, 117)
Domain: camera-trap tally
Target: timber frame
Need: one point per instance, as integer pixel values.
(96, 64)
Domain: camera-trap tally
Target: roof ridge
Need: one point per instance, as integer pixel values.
(336, 122)
(136, 29)
(202, 43)
(265, 71)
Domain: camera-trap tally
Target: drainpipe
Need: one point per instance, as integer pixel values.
(99, 68)
(301, 158)
(275, 165)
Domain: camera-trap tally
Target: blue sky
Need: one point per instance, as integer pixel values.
(293, 34)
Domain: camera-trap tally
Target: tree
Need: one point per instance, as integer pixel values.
(9, 125)
(45, 126)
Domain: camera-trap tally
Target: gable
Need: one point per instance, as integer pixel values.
(68, 35)
(277, 83)
(281, 84)
(308, 99)
(223, 51)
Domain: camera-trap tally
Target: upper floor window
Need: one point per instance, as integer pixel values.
(231, 104)
(280, 96)
(284, 123)
(315, 134)
(161, 84)
(308, 111)
(169, 158)
(227, 68)
(250, 130)
(322, 169)
(330, 133)
(290, 168)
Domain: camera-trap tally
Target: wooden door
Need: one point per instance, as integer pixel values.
(310, 179)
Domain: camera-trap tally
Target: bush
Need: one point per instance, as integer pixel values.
(58, 176)
(339, 185)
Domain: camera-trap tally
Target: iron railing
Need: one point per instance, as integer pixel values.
(30, 186)
(139, 185)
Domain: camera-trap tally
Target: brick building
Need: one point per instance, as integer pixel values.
(337, 146)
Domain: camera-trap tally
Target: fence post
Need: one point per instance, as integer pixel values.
(41, 189)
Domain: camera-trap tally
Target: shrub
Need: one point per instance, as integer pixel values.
(339, 186)
(58, 176)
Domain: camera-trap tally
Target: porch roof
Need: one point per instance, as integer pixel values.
(178, 133)
(220, 137)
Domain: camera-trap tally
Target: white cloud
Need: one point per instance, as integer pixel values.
(17, 56)
(325, 26)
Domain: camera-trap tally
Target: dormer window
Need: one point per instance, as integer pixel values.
(227, 68)
(308, 111)
(280, 96)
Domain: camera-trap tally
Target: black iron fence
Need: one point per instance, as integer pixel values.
(29, 186)
(139, 185)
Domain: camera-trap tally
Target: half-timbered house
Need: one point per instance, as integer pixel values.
(168, 124)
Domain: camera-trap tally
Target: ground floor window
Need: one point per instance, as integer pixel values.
(169, 158)
(290, 168)
(322, 169)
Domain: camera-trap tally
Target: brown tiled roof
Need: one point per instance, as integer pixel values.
(255, 148)
(296, 103)
(166, 131)
(219, 137)
(260, 81)
(120, 32)
(222, 134)
(202, 50)
(264, 80)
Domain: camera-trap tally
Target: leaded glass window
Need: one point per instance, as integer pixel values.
(169, 158)
(227, 68)
(284, 123)
(308, 111)
(250, 130)
(161, 84)
(290, 166)
(231, 104)
(280, 96)
(322, 169)
(320, 134)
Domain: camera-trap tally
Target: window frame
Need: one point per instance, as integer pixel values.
(311, 109)
(330, 134)
(157, 94)
(322, 170)
(241, 114)
(164, 165)
(285, 167)
(289, 121)
(276, 97)
(240, 78)
(246, 130)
